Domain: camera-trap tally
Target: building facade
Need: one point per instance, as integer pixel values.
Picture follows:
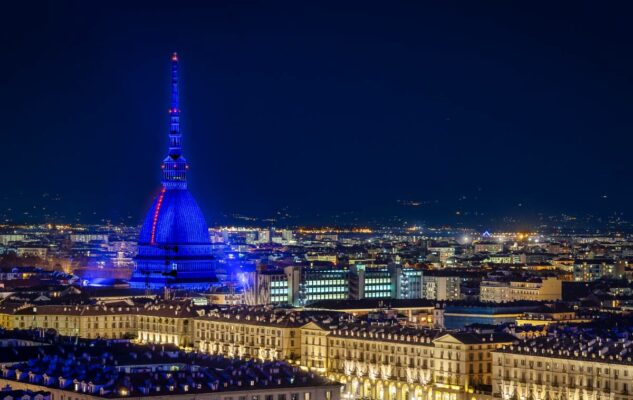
(304, 284)
(564, 367)
(375, 361)
(591, 270)
(436, 286)
(533, 289)
(170, 323)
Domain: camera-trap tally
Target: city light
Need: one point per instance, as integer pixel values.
(393, 201)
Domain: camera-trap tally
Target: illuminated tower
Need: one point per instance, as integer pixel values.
(174, 165)
(174, 248)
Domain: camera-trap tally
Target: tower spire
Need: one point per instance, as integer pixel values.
(174, 165)
(174, 82)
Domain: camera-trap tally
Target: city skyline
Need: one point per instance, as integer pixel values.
(341, 201)
(426, 113)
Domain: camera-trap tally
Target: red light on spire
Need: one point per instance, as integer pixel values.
(174, 57)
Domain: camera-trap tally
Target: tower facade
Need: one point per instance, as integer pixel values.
(174, 249)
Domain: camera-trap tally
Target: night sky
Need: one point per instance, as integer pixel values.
(318, 109)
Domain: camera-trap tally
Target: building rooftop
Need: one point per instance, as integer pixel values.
(175, 309)
(267, 315)
(477, 338)
(121, 369)
(600, 342)
(372, 303)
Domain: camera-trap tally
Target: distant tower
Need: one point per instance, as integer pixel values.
(174, 248)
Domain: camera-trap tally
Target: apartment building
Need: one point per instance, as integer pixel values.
(532, 289)
(86, 321)
(390, 362)
(240, 332)
(373, 360)
(441, 285)
(166, 322)
(593, 269)
(566, 365)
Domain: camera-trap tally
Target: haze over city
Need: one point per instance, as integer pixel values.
(329, 113)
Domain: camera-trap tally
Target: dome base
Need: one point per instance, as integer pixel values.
(174, 249)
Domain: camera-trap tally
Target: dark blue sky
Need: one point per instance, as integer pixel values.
(501, 108)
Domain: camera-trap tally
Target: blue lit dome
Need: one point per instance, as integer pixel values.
(174, 218)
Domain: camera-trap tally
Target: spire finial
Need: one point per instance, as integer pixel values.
(174, 83)
(174, 166)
